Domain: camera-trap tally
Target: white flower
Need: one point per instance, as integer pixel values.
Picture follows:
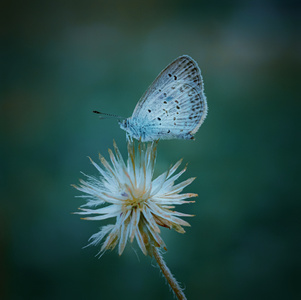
(139, 203)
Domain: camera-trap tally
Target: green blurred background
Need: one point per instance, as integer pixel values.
(62, 59)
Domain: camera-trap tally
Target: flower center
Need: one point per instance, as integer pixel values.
(134, 200)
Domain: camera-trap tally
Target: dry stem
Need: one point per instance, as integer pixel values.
(166, 272)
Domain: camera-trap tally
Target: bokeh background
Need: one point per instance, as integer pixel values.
(62, 59)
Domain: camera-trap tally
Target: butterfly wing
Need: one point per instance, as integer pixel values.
(179, 114)
(184, 68)
(174, 106)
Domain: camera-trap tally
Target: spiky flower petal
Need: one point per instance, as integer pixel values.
(139, 203)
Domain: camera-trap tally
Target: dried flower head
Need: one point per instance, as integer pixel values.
(139, 203)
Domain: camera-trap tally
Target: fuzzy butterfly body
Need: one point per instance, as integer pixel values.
(173, 107)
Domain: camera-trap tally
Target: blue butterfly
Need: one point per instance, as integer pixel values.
(173, 107)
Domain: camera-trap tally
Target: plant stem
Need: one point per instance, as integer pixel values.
(166, 272)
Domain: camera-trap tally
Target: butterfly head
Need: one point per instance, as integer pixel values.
(124, 124)
(132, 128)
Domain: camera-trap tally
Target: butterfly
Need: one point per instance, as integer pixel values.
(173, 107)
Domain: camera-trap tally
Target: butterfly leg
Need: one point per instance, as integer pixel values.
(129, 138)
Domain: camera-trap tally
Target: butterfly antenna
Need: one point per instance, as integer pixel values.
(106, 116)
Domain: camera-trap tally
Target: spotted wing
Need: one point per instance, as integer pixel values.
(182, 70)
(177, 112)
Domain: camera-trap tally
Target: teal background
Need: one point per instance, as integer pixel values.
(62, 59)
